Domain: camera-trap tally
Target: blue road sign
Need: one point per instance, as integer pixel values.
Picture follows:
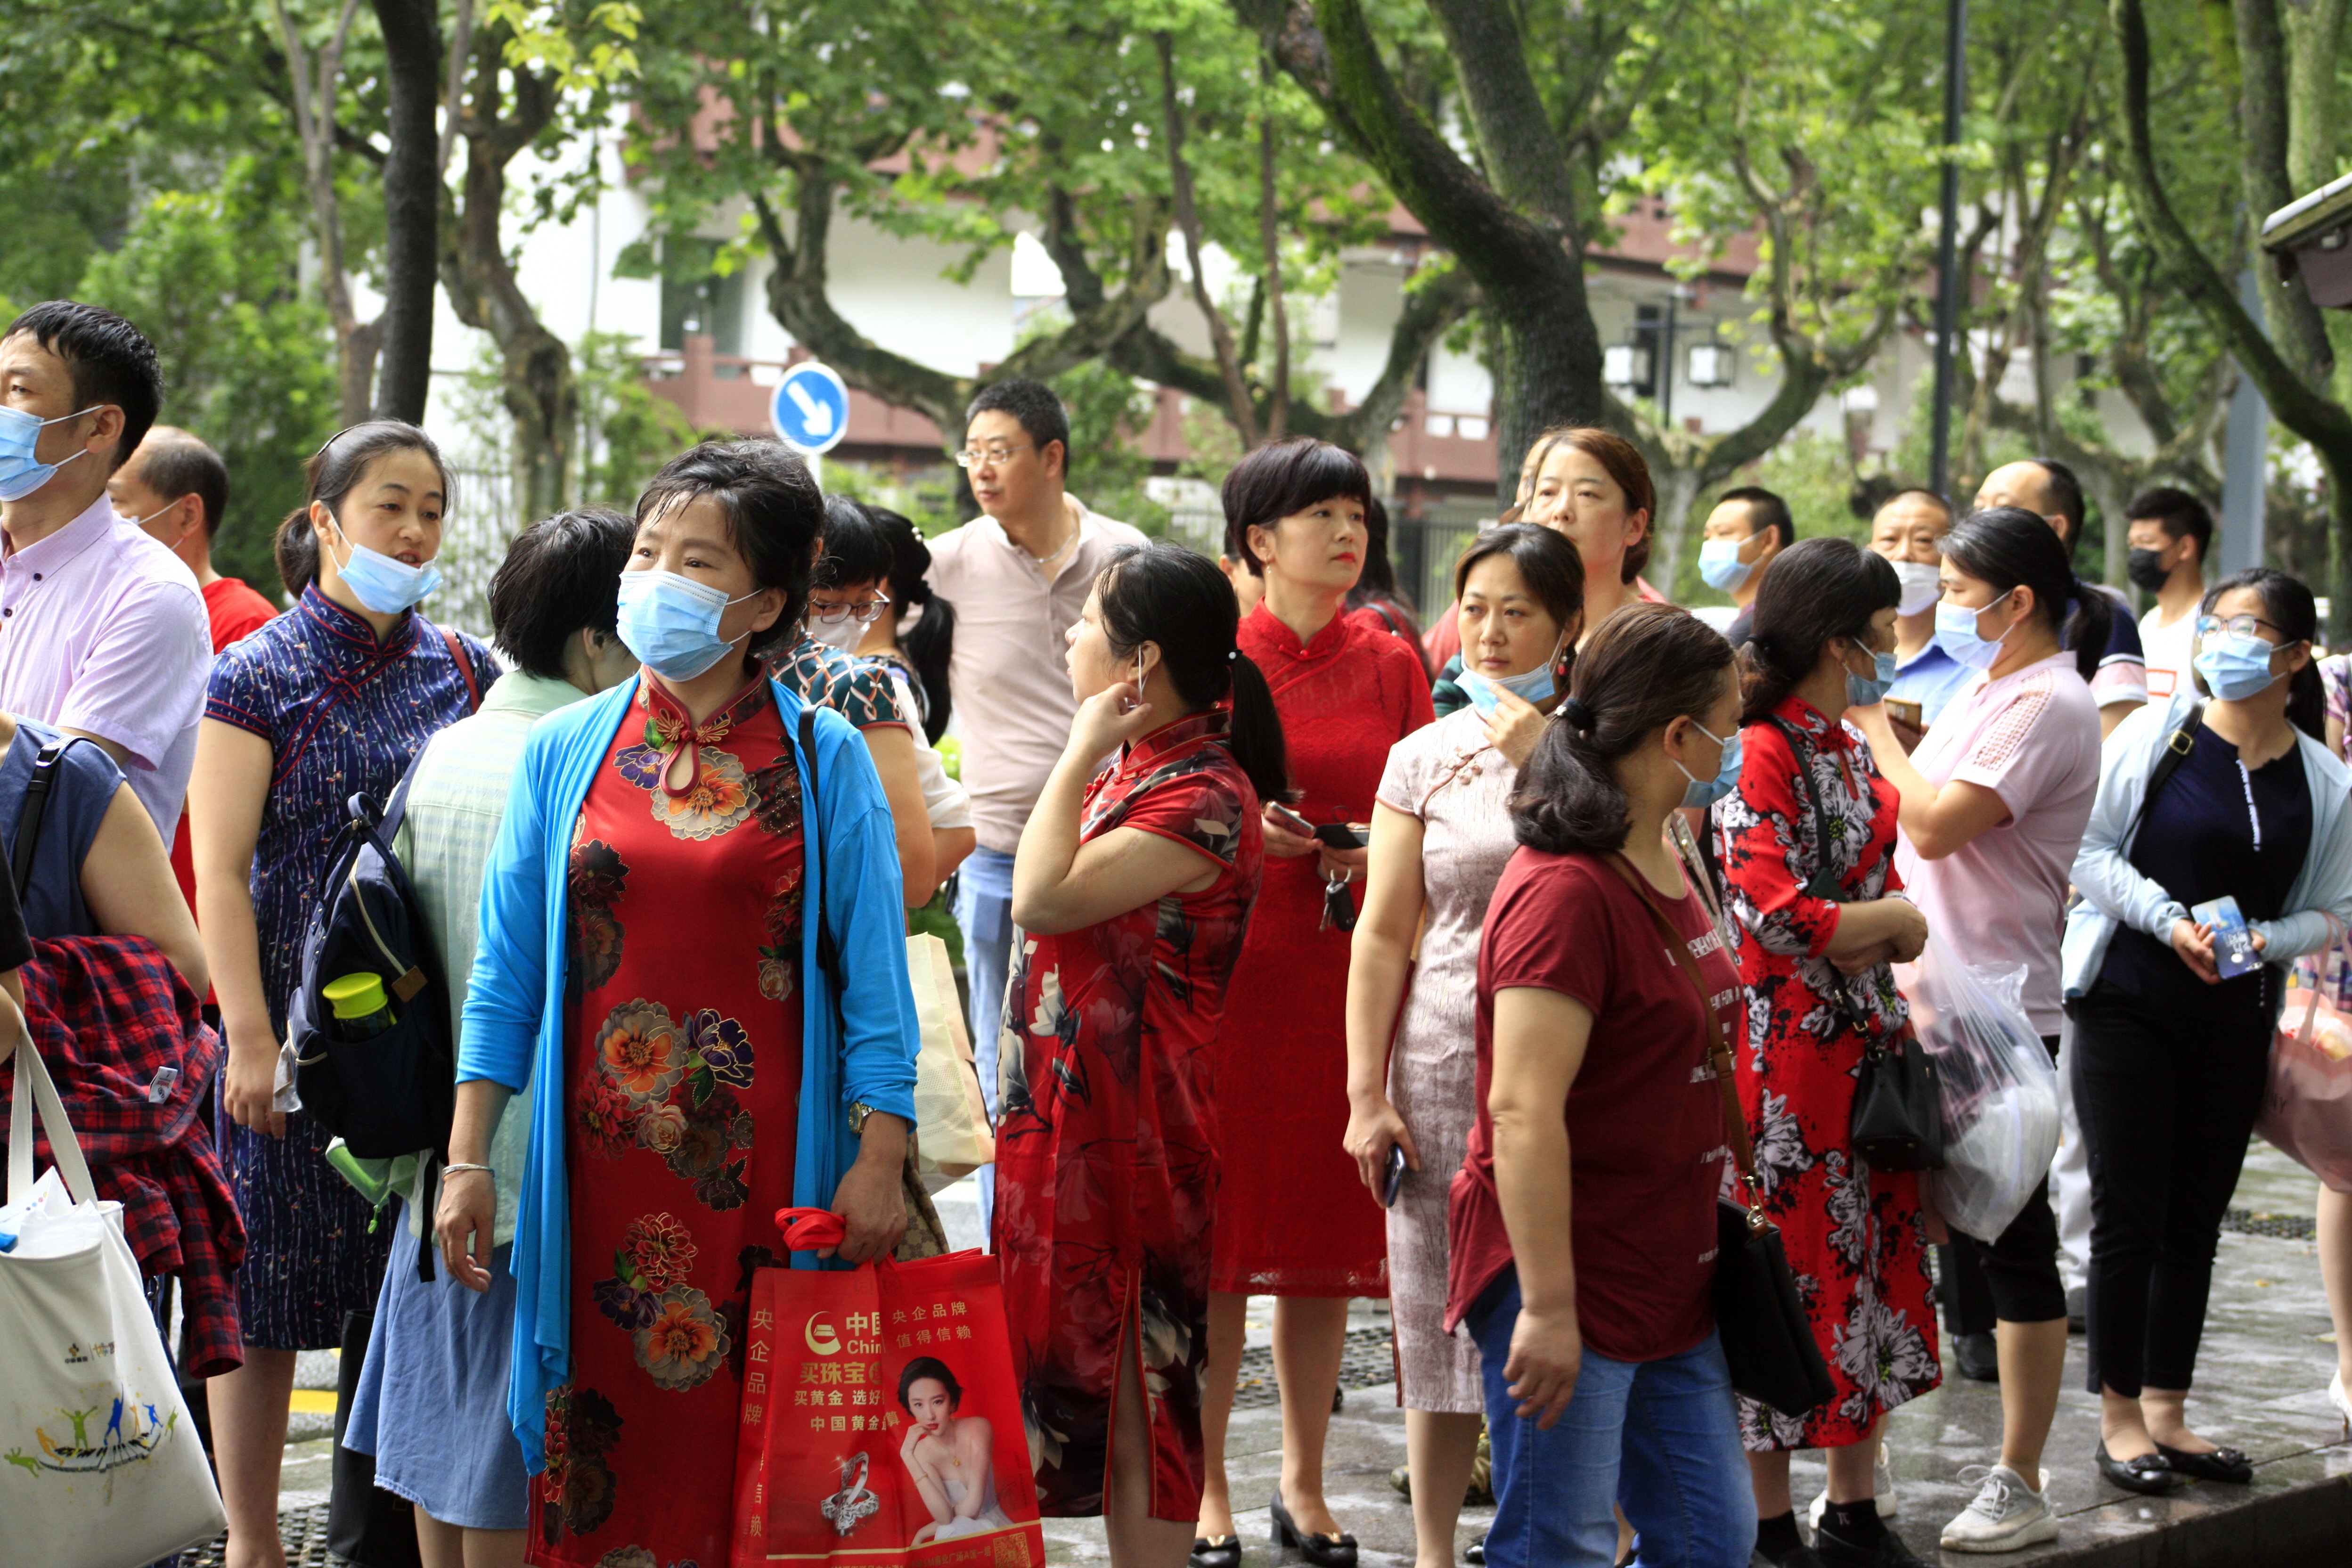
(811, 408)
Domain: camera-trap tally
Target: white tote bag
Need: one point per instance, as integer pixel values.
(103, 1467)
(951, 1132)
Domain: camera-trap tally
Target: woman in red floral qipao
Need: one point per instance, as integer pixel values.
(1815, 927)
(1131, 890)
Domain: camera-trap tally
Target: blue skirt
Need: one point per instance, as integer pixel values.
(432, 1399)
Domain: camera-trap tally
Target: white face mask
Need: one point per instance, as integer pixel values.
(1922, 586)
(845, 634)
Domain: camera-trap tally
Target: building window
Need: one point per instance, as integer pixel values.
(697, 299)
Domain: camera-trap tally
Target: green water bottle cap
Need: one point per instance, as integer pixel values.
(355, 995)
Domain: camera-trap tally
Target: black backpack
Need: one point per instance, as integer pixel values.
(394, 1092)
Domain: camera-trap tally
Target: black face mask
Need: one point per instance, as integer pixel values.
(2147, 571)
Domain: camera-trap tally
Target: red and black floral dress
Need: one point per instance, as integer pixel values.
(683, 1066)
(1854, 1236)
(1107, 1148)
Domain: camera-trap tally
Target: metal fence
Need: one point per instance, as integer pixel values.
(476, 530)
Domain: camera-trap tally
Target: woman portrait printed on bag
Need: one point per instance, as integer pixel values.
(948, 1454)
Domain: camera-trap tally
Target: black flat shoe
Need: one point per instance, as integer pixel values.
(1889, 1550)
(1977, 1356)
(1476, 1553)
(2220, 1465)
(2150, 1474)
(1216, 1552)
(1797, 1556)
(1333, 1550)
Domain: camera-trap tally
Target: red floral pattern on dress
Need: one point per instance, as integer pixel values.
(1107, 1166)
(1854, 1235)
(683, 1047)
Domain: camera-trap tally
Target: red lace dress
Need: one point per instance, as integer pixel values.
(1293, 1218)
(1106, 1150)
(1855, 1237)
(683, 1016)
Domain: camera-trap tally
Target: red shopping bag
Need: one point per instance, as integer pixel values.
(881, 1422)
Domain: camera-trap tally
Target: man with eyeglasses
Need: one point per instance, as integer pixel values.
(1018, 577)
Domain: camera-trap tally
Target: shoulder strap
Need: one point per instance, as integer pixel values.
(2177, 747)
(465, 668)
(34, 811)
(827, 953)
(1743, 1147)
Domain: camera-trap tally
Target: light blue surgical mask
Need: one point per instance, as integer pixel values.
(2236, 667)
(1862, 690)
(671, 622)
(1704, 792)
(1536, 685)
(383, 585)
(20, 472)
(1956, 630)
(1719, 565)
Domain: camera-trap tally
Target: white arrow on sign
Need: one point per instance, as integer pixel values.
(818, 415)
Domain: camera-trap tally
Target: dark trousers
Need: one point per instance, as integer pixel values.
(2167, 1107)
(2014, 1278)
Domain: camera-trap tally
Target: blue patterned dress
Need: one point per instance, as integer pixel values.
(342, 713)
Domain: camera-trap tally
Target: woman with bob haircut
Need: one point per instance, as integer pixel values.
(1583, 1221)
(1440, 837)
(1807, 840)
(1293, 1220)
(1131, 889)
(649, 966)
(2170, 1058)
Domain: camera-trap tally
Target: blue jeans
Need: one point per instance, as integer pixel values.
(1657, 1438)
(983, 911)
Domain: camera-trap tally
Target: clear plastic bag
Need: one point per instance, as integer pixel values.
(1998, 1086)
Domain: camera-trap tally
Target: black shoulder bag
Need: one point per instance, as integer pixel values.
(1767, 1341)
(926, 1237)
(1897, 1121)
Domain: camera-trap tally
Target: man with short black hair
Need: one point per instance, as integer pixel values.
(2172, 538)
(2048, 488)
(1018, 577)
(176, 488)
(102, 630)
(1749, 527)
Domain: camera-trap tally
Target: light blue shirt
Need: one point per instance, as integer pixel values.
(514, 1007)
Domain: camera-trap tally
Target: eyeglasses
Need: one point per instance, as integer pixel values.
(972, 457)
(864, 611)
(2234, 625)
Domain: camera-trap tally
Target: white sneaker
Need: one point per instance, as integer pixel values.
(2004, 1515)
(1881, 1486)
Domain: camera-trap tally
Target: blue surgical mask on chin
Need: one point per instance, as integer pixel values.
(1862, 690)
(383, 585)
(1704, 792)
(21, 473)
(1720, 565)
(2236, 668)
(1536, 685)
(671, 622)
(1956, 629)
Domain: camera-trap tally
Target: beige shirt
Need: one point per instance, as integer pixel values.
(1011, 674)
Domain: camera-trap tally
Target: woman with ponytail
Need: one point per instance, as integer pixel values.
(1441, 836)
(1993, 806)
(1583, 1229)
(2226, 791)
(1808, 851)
(1131, 889)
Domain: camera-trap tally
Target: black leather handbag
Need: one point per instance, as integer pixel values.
(1767, 1341)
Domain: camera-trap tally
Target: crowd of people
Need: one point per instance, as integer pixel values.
(1310, 955)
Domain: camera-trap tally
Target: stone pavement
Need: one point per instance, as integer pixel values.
(2261, 1378)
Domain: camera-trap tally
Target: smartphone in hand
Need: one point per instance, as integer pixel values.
(1338, 836)
(1285, 817)
(1395, 1182)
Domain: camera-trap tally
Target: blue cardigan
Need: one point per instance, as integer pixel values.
(513, 1021)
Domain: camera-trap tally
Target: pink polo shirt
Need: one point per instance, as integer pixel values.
(2031, 738)
(103, 629)
(1010, 673)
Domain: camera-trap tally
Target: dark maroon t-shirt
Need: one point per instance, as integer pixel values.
(1647, 1136)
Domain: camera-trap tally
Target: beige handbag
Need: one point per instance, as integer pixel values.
(951, 1118)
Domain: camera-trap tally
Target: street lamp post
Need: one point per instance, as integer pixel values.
(1947, 248)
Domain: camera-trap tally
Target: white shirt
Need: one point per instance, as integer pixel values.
(2169, 649)
(103, 629)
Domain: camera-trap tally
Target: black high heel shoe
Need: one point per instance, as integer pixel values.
(1333, 1550)
(1216, 1552)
